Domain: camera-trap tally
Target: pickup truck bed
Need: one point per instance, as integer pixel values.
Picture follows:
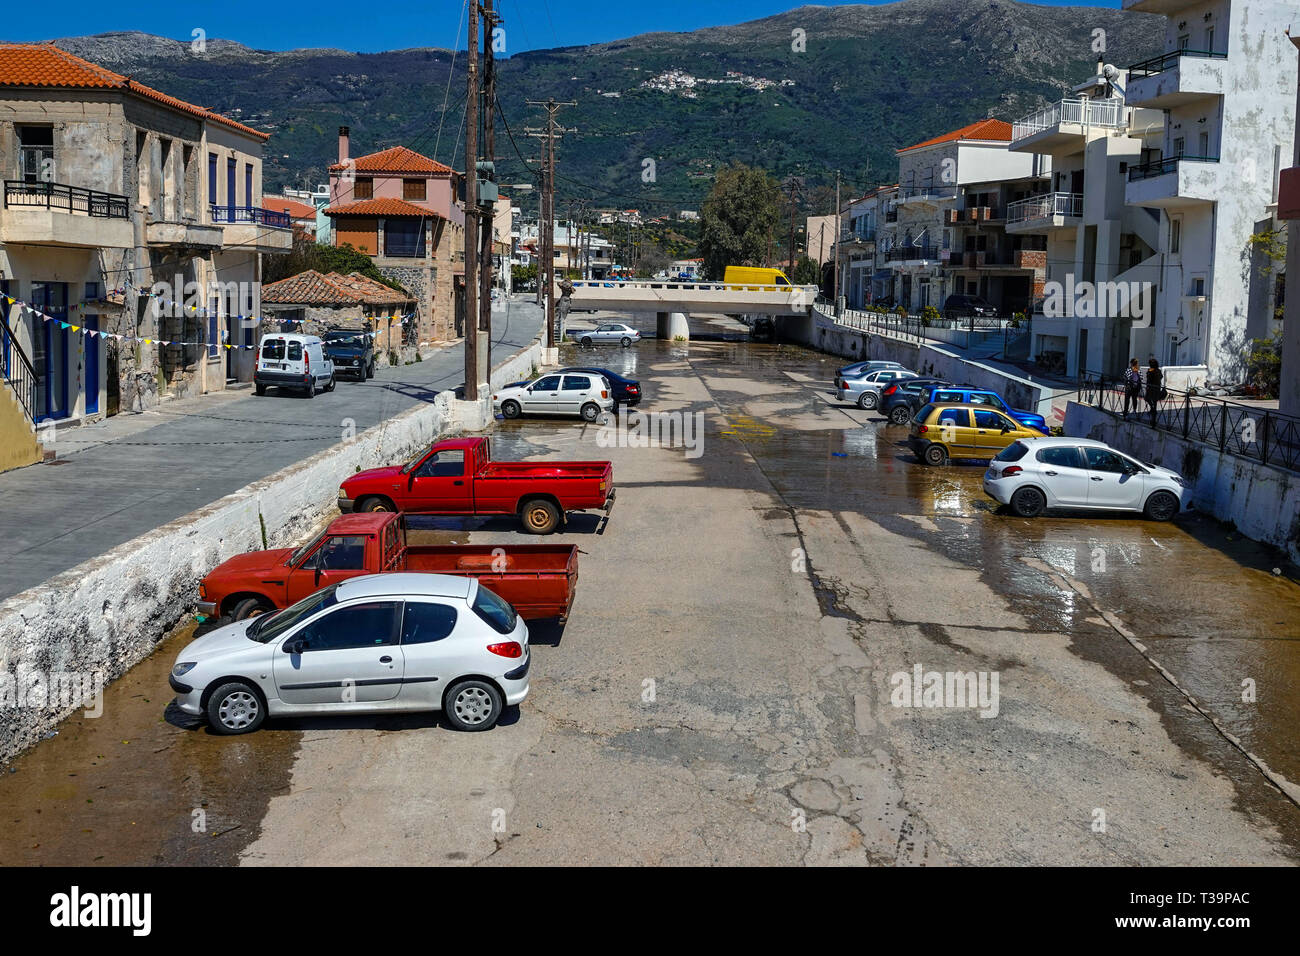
(538, 580)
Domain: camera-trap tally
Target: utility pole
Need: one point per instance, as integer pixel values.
(471, 209)
(835, 287)
(490, 20)
(547, 227)
(790, 256)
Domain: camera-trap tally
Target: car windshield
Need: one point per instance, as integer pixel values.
(270, 626)
(416, 460)
(351, 339)
(499, 615)
(306, 548)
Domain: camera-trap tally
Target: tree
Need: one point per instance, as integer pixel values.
(738, 219)
(806, 272)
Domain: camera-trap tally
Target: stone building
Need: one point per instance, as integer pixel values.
(314, 303)
(131, 237)
(400, 208)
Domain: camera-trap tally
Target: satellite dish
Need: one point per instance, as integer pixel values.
(1111, 76)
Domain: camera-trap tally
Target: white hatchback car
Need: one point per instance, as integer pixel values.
(571, 393)
(1034, 474)
(375, 644)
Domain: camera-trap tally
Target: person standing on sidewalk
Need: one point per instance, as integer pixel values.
(1155, 387)
(1132, 387)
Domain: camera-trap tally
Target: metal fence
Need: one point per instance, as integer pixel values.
(917, 327)
(251, 214)
(1249, 431)
(17, 367)
(64, 198)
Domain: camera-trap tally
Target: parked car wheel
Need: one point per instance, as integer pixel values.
(235, 708)
(329, 387)
(590, 412)
(259, 389)
(625, 342)
(473, 705)
(370, 370)
(510, 409)
(375, 504)
(868, 399)
(540, 516)
(1161, 506)
(249, 607)
(899, 415)
(1028, 502)
(310, 390)
(935, 455)
(586, 341)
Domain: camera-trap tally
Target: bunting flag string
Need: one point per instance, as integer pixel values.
(225, 335)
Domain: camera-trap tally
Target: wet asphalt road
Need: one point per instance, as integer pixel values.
(767, 590)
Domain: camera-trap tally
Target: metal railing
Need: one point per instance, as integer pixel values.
(914, 326)
(928, 192)
(1159, 167)
(18, 370)
(906, 251)
(1045, 206)
(59, 196)
(1158, 64)
(1082, 111)
(256, 215)
(1248, 431)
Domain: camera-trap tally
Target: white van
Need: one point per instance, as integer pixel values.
(289, 360)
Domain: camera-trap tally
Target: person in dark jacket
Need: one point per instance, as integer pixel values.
(1132, 387)
(1155, 387)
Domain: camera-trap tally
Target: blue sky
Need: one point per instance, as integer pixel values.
(289, 24)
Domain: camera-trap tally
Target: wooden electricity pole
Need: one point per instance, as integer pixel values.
(471, 209)
(546, 228)
(835, 287)
(490, 20)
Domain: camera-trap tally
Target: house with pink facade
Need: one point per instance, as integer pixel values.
(400, 208)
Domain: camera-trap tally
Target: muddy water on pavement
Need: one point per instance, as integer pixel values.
(1220, 612)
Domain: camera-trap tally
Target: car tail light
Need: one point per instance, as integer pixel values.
(891, 390)
(1010, 470)
(507, 649)
(604, 394)
(923, 429)
(633, 388)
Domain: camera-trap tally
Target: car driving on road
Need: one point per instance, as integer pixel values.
(375, 644)
(352, 352)
(611, 333)
(570, 393)
(1032, 475)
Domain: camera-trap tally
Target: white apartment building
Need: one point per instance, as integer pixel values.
(931, 177)
(1226, 85)
(1092, 138)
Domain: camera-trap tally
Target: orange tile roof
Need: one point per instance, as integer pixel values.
(295, 209)
(988, 129)
(395, 159)
(380, 207)
(313, 288)
(45, 65)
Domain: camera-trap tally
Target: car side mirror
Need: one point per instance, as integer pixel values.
(295, 646)
(1006, 428)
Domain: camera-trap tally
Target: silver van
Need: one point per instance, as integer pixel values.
(289, 360)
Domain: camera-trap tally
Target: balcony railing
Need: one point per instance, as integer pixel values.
(928, 192)
(1158, 64)
(1045, 206)
(241, 215)
(1108, 113)
(1159, 167)
(64, 198)
(905, 251)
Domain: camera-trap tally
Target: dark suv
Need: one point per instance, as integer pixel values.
(351, 351)
(964, 306)
(900, 399)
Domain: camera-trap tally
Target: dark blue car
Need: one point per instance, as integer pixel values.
(985, 396)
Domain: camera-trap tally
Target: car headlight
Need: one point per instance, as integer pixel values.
(180, 670)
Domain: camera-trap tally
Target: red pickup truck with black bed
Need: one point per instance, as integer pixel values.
(459, 477)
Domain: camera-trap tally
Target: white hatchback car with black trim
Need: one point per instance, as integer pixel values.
(585, 394)
(381, 643)
(1034, 474)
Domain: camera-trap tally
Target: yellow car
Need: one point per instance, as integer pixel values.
(944, 431)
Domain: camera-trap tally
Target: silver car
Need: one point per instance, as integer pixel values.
(611, 333)
(380, 643)
(864, 390)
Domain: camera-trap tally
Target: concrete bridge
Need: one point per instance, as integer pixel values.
(673, 302)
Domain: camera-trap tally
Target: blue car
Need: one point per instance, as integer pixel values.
(984, 396)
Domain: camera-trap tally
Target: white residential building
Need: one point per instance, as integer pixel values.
(1093, 138)
(1226, 85)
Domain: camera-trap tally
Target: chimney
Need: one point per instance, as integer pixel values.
(343, 143)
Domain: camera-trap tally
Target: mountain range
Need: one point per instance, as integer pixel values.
(803, 93)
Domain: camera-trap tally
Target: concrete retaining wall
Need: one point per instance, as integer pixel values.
(1261, 501)
(105, 615)
(830, 336)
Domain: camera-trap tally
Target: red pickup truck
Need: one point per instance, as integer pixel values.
(538, 580)
(459, 477)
